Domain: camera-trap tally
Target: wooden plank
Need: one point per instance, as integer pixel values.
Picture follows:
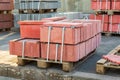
(102, 65)
(67, 66)
(43, 63)
(6, 12)
(110, 34)
(108, 12)
(30, 11)
(101, 61)
(100, 68)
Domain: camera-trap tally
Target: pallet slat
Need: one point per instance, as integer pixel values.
(41, 63)
(108, 12)
(102, 65)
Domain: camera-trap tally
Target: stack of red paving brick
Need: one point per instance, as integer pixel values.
(114, 23)
(109, 13)
(69, 41)
(6, 18)
(29, 44)
(101, 4)
(104, 19)
(57, 39)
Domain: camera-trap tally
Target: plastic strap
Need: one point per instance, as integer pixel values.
(103, 21)
(26, 7)
(32, 4)
(111, 24)
(118, 28)
(39, 4)
(48, 47)
(56, 55)
(100, 25)
(33, 8)
(100, 4)
(23, 49)
(33, 17)
(20, 3)
(95, 17)
(106, 4)
(20, 8)
(62, 47)
(114, 4)
(26, 4)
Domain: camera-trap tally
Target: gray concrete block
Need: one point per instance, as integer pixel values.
(69, 15)
(40, 16)
(20, 17)
(72, 15)
(38, 5)
(17, 1)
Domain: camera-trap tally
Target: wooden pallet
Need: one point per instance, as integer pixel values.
(110, 34)
(5, 29)
(29, 11)
(6, 12)
(102, 65)
(42, 63)
(108, 12)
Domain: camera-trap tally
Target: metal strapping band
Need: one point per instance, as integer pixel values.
(48, 47)
(114, 4)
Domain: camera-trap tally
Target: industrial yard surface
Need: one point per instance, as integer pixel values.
(85, 70)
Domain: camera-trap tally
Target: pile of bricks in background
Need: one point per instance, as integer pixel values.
(109, 12)
(69, 15)
(6, 17)
(35, 9)
(57, 39)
